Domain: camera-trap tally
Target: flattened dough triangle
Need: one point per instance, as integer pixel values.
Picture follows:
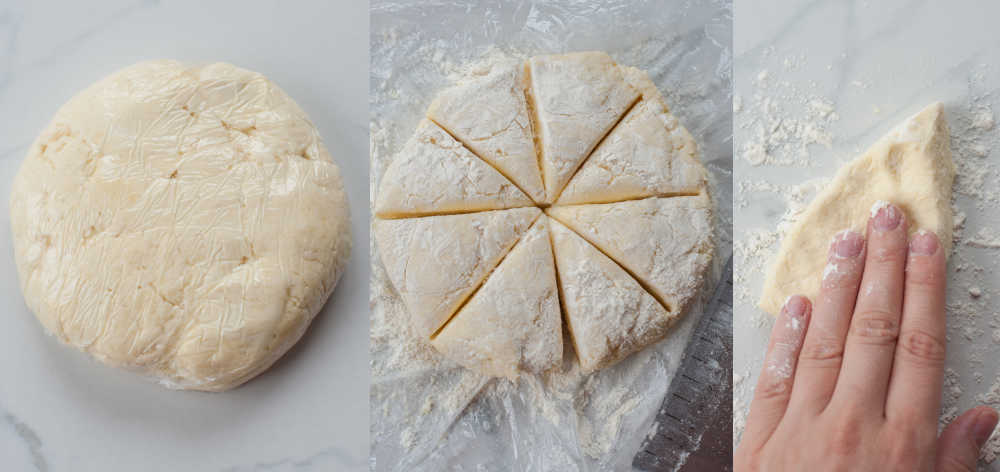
(648, 154)
(665, 242)
(434, 174)
(577, 99)
(609, 315)
(910, 167)
(435, 262)
(512, 323)
(489, 114)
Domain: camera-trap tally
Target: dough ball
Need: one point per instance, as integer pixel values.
(185, 222)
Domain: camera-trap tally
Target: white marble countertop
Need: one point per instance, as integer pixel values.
(873, 63)
(60, 411)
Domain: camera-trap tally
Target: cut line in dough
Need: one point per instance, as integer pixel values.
(437, 262)
(648, 153)
(664, 243)
(608, 313)
(577, 100)
(499, 132)
(513, 322)
(436, 174)
(502, 172)
(611, 102)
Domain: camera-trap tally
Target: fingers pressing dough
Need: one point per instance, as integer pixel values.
(910, 167)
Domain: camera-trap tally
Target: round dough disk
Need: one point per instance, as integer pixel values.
(185, 222)
(624, 249)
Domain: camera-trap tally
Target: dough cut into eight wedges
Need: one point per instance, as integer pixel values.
(556, 190)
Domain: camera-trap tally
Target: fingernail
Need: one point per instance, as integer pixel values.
(795, 306)
(983, 425)
(885, 216)
(924, 243)
(848, 243)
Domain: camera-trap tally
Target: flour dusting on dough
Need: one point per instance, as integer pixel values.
(601, 414)
(878, 206)
(973, 321)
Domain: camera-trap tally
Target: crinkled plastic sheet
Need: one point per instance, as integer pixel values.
(428, 414)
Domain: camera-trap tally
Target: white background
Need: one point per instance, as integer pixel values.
(61, 411)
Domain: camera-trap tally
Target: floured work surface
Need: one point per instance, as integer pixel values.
(801, 114)
(421, 410)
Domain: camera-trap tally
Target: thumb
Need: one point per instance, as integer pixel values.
(959, 444)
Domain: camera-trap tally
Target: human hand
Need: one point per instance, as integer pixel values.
(853, 381)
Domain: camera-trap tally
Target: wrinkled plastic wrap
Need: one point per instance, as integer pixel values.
(429, 414)
(130, 223)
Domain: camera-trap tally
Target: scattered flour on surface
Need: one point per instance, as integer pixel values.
(986, 238)
(782, 121)
(777, 124)
(749, 253)
(982, 119)
(951, 394)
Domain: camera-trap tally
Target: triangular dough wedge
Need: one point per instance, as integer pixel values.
(512, 324)
(665, 242)
(648, 154)
(435, 262)
(577, 99)
(609, 315)
(910, 167)
(435, 174)
(489, 114)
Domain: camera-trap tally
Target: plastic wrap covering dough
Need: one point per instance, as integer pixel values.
(434, 411)
(910, 167)
(185, 222)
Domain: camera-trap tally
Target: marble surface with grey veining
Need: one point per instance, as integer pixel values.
(61, 411)
(875, 63)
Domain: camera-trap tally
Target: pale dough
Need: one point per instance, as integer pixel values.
(486, 291)
(648, 153)
(489, 114)
(665, 242)
(512, 323)
(910, 167)
(185, 222)
(435, 174)
(577, 99)
(609, 315)
(435, 262)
